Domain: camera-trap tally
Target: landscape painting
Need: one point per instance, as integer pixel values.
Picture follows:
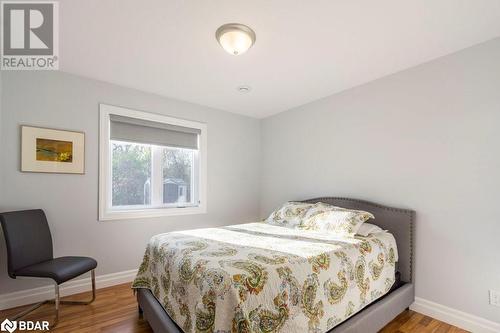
(54, 150)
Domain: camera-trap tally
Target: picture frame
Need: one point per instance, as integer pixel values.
(49, 150)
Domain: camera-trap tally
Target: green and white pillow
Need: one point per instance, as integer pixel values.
(342, 221)
(289, 215)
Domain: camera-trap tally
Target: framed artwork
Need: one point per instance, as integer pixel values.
(51, 150)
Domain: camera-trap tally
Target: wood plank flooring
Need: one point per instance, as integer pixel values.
(115, 310)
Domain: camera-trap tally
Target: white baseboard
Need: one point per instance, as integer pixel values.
(72, 287)
(455, 317)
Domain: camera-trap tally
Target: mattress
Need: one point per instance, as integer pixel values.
(257, 277)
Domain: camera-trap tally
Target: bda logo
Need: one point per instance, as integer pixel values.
(22, 325)
(9, 326)
(29, 31)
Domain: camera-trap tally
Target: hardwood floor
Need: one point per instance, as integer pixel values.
(413, 322)
(115, 310)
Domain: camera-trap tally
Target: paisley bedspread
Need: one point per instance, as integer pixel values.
(257, 277)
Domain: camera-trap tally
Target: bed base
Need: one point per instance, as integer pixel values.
(369, 320)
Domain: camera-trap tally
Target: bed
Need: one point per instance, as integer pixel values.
(257, 277)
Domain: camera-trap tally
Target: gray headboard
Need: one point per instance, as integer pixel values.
(398, 221)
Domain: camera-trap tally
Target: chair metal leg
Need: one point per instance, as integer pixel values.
(36, 306)
(92, 273)
(58, 302)
(30, 309)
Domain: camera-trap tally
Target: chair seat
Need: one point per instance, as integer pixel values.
(59, 269)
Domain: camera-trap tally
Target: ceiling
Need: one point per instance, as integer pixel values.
(304, 50)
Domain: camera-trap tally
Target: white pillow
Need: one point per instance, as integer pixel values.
(368, 229)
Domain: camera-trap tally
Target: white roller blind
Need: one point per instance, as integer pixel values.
(149, 132)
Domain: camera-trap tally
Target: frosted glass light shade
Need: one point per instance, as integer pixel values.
(235, 38)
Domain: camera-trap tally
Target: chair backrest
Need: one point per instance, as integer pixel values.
(28, 239)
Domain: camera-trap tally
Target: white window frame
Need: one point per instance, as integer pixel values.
(106, 211)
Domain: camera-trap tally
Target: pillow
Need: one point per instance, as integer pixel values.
(342, 221)
(367, 229)
(289, 215)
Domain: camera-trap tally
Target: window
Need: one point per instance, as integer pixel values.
(150, 165)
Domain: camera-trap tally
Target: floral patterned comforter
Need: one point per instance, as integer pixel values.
(258, 277)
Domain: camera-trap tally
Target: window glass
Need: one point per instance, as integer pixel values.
(133, 180)
(178, 176)
(131, 174)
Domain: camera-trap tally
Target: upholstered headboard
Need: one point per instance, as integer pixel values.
(397, 221)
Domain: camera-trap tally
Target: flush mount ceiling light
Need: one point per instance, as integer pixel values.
(244, 89)
(235, 38)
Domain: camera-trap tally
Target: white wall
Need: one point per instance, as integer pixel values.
(59, 100)
(426, 138)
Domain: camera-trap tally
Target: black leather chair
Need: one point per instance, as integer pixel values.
(29, 254)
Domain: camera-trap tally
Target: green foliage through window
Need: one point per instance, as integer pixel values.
(132, 174)
(131, 171)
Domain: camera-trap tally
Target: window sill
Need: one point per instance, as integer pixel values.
(111, 215)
